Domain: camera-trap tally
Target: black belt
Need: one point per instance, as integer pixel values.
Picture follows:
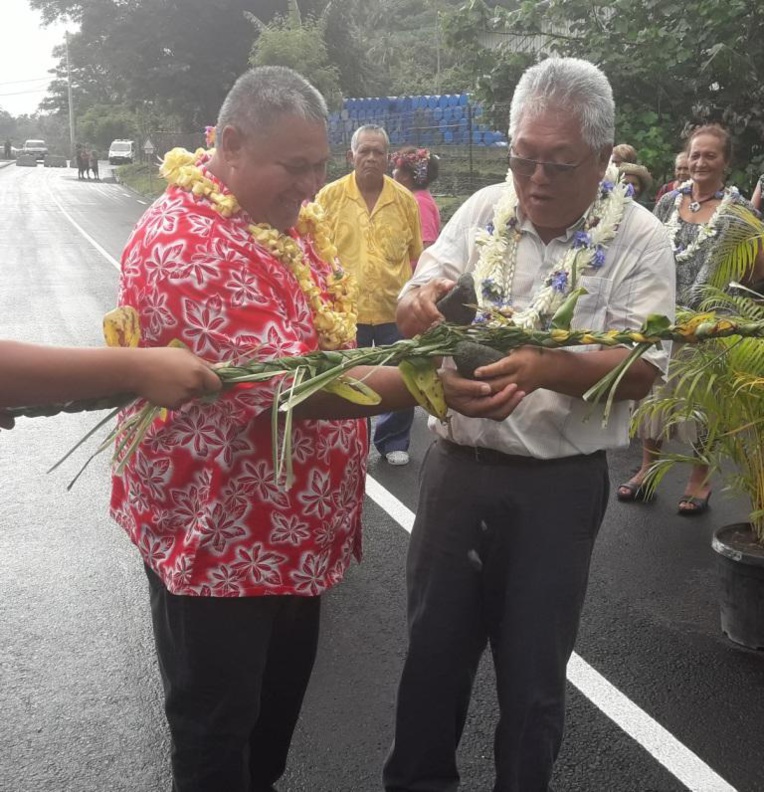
(490, 456)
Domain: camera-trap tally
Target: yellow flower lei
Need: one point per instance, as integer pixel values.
(335, 320)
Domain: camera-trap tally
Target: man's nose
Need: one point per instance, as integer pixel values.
(312, 181)
(540, 175)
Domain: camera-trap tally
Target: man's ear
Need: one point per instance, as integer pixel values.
(603, 160)
(230, 144)
(349, 157)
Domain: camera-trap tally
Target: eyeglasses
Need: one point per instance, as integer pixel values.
(525, 168)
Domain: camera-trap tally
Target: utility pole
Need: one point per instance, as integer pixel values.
(71, 105)
(437, 46)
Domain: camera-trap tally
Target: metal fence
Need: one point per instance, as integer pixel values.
(432, 120)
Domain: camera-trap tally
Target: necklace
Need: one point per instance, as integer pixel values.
(495, 268)
(706, 231)
(334, 319)
(695, 204)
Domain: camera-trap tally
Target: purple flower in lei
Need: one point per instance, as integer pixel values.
(629, 190)
(559, 281)
(599, 257)
(606, 187)
(490, 228)
(491, 290)
(582, 239)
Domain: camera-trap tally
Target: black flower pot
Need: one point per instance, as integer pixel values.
(740, 562)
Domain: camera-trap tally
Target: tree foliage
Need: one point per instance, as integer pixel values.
(179, 57)
(672, 64)
(289, 40)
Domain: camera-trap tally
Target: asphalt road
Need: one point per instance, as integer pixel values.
(659, 701)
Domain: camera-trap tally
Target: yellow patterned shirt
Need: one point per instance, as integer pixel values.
(378, 247)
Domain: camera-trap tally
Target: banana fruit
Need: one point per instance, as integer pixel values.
(122, 327)
(421, 378)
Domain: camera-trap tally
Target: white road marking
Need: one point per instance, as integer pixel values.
(145, 203)
(84, 233)
(679, 760)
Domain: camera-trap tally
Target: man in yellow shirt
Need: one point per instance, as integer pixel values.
(376, 228)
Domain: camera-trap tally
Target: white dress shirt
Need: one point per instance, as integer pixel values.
(637, 279)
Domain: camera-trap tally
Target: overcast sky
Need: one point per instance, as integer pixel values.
(25, 56)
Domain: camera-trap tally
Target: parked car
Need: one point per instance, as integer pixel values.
(121, 152)
(35, 148)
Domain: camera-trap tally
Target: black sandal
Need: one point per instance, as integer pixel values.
(635, 492)
(697, 505)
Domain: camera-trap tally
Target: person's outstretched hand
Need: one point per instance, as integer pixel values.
(169, 376)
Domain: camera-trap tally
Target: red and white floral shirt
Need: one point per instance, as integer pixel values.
(199, 497)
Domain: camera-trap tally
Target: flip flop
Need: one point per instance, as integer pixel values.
(697, 505)
(636, 492)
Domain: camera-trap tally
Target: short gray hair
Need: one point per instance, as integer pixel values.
(573, 84)
(373, 129)
(266, 93)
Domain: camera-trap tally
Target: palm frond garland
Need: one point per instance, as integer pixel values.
(720, 332)
(720, 386)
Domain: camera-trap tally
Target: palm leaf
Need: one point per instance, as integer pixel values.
(720, 384)
(738, 247)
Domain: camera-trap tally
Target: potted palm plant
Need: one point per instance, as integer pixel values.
(720, 385)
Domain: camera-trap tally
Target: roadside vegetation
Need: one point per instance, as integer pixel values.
(144, 67)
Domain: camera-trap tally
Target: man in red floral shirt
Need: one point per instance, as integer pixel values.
(235, 562)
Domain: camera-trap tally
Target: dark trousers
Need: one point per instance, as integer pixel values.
(234, 671)
(499, 555)
(392, 430)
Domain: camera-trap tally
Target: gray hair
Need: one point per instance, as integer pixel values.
(373, 129)
(574, 85)
(264, 94)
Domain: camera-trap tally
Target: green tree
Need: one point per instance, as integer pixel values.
(298, 43)
(672, 65)
(180, 55)
(103, 123)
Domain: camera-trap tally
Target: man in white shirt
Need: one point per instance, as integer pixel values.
(503, 558)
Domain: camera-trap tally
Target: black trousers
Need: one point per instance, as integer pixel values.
(234, 671)
(499, 555)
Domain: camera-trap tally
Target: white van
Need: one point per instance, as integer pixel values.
(35, 148)
(121, 151)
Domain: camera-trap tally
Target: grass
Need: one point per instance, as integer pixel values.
(448, 204)
(139, 178)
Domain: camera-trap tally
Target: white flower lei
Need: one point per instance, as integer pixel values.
(495, 269)
(706, 231)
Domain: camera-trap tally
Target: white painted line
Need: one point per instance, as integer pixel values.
(145, 203)
(679, 760)
(84, 233)
(387, 501)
